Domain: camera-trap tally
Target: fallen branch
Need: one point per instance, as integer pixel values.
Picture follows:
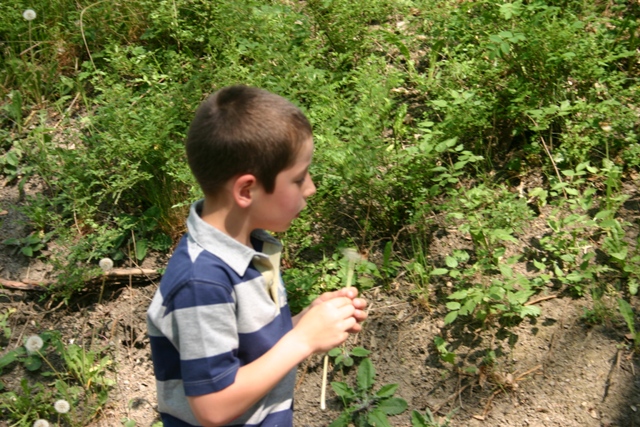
(537, 300)
(132, 272)
(112, 276)
(27, 285)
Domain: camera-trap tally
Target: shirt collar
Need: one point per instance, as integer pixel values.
(229, 250)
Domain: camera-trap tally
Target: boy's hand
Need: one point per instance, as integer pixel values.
(326, 324)
(359, 304)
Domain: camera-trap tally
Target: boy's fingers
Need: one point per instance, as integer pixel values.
(359, 303)
(359, 315)
(351, 292)
(340, 302)
(349, 324)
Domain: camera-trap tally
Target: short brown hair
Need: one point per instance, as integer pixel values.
(241, 129)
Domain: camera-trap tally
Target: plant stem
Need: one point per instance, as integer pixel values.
(325, 364)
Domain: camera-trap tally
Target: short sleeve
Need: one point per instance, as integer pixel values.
(206, 335)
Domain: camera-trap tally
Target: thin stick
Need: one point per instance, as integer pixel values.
(323, 392)
(453, 396)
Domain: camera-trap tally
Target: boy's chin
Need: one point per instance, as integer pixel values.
(279, 229)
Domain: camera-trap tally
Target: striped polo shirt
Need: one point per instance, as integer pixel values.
(220, 305)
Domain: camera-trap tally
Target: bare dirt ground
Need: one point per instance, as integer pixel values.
(555, 370)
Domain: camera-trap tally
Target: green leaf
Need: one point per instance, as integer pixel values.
(449, 318)
(366, 374)
(503, 234)
(12, 242)
(342, 389)
(451, 261)
(453, 305)
(539, 265)
(448, 357)
(360, 352)
(468, 307)
(609, 223)
(141, 249)
(530, 310)
(620, 255)
(505, 47)
(12, 158)
(603, 214)
(438, 271)
(377, 418)
(575, 277)
(393, 406)
(32, 363)
(459, 294)
(342, 421)
(27, 251)
(506, 271)
(627, 313)
(8, 359)
(335, 352)
(417, 420)
(387, 390)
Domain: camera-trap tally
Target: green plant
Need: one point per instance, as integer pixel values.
(4, 327)
(428, 419)
(72, 376)
(344, 358)
(362, 405)
(30, 245)
(309, 280)
(445, 354)
(351, 258)
(629, 317)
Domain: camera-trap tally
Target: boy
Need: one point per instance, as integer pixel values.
(223, 342)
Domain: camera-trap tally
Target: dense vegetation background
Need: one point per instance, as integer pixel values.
(480, 114)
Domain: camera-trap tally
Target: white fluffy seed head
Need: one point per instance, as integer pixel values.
(351, 254)
(41, 423)
(34, 343)
(106, 264)
(29, 14)
(61, 406)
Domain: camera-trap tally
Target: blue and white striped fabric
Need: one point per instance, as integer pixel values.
(212, 314)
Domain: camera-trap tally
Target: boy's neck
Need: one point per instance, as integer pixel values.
(227, 218)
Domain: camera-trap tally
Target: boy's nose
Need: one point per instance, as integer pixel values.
(311, 187)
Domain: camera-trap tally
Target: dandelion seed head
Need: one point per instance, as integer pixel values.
(29, 14)
(41, 423)
(106, 264)
(352, 254)
(34, 343)
(61, 406)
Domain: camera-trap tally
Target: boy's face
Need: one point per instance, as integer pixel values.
(276, 211)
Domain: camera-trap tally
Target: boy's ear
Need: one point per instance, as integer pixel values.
(243, 188)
